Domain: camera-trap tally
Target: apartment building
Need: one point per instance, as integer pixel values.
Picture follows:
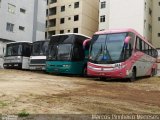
(136, 14)
(72, 16)
(156, 24)
(21, 20)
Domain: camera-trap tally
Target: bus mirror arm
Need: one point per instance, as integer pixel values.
(127, 39)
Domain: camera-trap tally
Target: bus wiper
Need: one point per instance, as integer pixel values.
(106, 55)
(98, 54)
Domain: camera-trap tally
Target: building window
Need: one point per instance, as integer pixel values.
(61, 31)
(159, 3)
(103, 4)
(69, 18)
(150, 12)
(46, 24)
(76, 17)
(52, 23)
(10, 27)
(53, 1)
(62, 8)
(158, 34)
(47, 12)
(150, 27)
(22, 10)
(11, 8)
(69, 31)
(62, 20)
(102, 29)
(69, 5)
(75, 30)
(102, 18)
(144, 23)
(21, 28)
(50, 33)
(53, 11)
(158, 18)
(76, 5)
(0, 3)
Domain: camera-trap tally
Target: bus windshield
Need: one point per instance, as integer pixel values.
(64, 52)
(14, 50)
(107, 48)
(40, 48)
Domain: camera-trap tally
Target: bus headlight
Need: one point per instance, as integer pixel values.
(119, 66)
(67, 66)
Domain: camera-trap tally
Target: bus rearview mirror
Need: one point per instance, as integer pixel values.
(127, 39)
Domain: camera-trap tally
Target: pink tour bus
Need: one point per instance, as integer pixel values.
(121, 54)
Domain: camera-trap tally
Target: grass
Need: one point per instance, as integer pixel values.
(23, 113)
(3, 104)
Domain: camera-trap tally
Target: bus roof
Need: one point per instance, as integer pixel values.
(71, 34)
(19, 42)
(47, 40)
(124, 30)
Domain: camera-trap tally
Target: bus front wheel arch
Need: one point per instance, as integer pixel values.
(84, 72)
(153, 72)
(133, 75)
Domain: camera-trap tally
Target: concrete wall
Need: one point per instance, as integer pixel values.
(156, 23)
(88, 16)
(104, 11)
(2, 51)
(127, 14)
(27, 20)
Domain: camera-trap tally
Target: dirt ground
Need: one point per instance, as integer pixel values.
(40, 93)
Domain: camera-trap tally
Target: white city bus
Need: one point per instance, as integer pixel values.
(17, 55)
(38, 55)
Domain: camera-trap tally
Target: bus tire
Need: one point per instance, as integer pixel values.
(102, 78)
(133, 77)
(153, 72)
(85, 71)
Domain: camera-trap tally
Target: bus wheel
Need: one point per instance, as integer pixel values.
(133, 77)
(153, 72)
(85, 71)
(102, 78)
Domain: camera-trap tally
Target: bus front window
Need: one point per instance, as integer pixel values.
(40, 48)
(64, 52)
(14, 50)
(52, 52)
(107, 48)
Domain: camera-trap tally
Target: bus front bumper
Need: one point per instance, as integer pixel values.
(37, 67)
(117, 73)
(12, 65)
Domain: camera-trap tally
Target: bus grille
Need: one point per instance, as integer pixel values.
(38, 61)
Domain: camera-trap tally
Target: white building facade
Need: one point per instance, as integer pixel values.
(156, 24)
(21, 20)
(136, 14)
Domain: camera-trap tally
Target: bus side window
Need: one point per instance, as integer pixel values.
(27, 50)
(139, 44)
(78, 53)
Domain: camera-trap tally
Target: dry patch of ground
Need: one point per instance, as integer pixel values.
(39, 93)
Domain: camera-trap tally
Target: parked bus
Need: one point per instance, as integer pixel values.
(121, 54)
(158, 61)
(68, 54)
(38, 55)
(17, 55)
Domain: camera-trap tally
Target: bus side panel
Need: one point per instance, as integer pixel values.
(25, 62)
(64, 67)
(143, 64)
